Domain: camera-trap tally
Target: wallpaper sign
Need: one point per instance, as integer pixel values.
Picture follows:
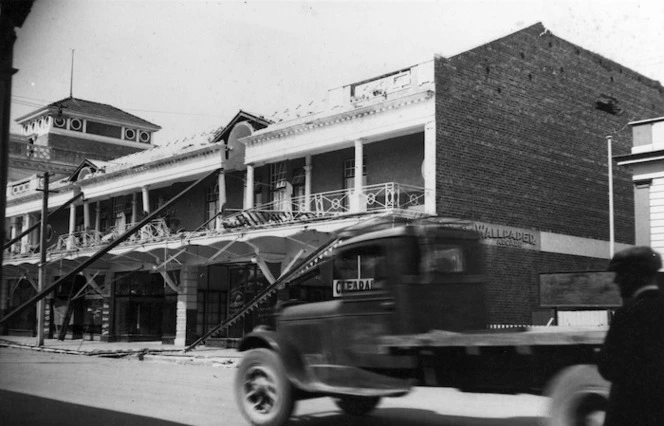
(506, 236)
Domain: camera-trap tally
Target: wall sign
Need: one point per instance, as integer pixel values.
(506, 236)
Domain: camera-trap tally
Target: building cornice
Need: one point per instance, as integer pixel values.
(358, 112)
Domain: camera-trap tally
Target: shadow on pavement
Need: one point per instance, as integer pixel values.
(23, 409)
(407, 416)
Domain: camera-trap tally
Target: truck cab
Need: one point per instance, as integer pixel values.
(402, 280)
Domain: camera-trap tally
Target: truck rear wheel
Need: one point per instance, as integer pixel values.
(579, 396)
(262, 390)
(357, 405)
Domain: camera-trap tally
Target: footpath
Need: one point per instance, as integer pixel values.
(143, 351)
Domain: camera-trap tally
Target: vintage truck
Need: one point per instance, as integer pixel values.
(408, 310)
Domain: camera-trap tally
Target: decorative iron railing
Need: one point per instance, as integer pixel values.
(155, 230)
(373, 198)
(78, 240)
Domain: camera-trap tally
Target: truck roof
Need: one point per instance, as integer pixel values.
(393, 227)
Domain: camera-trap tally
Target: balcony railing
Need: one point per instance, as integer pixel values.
(152, 231)
(155, 230)
(388, 196)
(77, 240)
(374, 198)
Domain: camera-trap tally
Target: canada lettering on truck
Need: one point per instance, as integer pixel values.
(341, 287)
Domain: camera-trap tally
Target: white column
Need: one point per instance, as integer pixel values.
(249, 193)
(72, 225)
(146, 198)
(98, 216)
(86, 215)
(13, 232)
(357, 197)
(186, 305)
(307, 184)
(25, 241)
(429, 167)
(221, 183)
(134, 207)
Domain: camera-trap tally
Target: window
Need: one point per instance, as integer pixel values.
(211, 205)
(299, 178)
(119, 216)
(258, 192)
(443, 258)
(349, 173)
(359, 270)
(277, 175)
(281, 189)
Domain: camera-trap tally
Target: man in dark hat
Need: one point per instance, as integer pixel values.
(632, 358)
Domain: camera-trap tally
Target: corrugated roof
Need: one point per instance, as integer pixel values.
(160, 152)
(76, 106)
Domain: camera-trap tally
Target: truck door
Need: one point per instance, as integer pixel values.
(363, 284)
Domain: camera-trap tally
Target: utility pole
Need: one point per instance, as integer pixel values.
(41, 305)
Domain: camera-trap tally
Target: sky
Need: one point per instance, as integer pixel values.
(189, 66)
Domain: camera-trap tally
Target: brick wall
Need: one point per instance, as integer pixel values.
(521, 142)
(513, 280)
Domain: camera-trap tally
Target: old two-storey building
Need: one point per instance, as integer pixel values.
(646, 163)
(509, 137)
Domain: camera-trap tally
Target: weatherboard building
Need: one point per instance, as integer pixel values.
(509, 137)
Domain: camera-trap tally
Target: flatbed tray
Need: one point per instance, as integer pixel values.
(527, 336)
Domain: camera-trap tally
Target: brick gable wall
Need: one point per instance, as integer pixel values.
(521, 142)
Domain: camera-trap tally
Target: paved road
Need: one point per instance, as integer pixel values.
(39, 388)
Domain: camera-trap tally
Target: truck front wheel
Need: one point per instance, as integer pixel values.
(262, 390)
(357, 405)
(579, 397)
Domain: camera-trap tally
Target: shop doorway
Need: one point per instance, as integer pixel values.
(25, 322)
(224, 290)
(144, 308)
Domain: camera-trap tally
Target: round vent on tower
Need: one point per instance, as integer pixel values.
(60, 122)
(76, 124)
(130, 134)
(144, 136)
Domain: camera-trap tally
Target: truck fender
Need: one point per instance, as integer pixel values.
(579, 395)
(290, 357)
